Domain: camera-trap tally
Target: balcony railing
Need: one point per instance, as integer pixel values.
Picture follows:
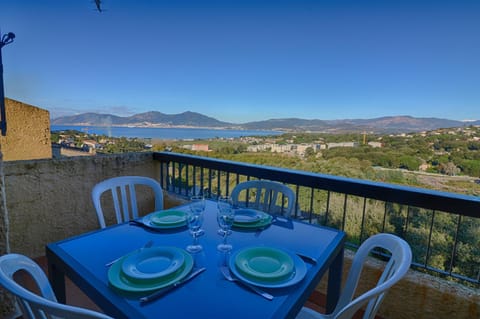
(442, 228)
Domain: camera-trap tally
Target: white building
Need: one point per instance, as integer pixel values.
(342, 144)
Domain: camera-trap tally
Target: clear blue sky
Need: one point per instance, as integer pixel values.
(243, 60)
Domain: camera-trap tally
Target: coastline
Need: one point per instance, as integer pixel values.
(165, 133)
(166, 126)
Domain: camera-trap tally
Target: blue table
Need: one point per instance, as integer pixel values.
(209, 295)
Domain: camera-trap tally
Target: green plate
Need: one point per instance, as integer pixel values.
(168, 217)
(297, 275)
(246, 222)
(264, 263)
(165, 219)
(117, 279)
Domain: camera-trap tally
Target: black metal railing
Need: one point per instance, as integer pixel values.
(442, 228)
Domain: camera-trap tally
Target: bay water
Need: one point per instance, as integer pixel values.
(163, 133)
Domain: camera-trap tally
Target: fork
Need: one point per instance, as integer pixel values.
(226, 273)
(148, 244)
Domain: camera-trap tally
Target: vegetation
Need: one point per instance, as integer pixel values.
(104, 144)
(449, 158)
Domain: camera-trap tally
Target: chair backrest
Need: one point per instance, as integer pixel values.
(125, 205)
(268, 196)
(395, 269)
(35, 306)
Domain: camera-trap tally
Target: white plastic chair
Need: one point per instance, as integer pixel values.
(125, 206)
(395, 269)
(35, 306)
(270, 197)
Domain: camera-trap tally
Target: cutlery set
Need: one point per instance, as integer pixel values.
(167, 289)
(226, 273)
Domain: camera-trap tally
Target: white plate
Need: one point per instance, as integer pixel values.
(153, 263)
(300, 270)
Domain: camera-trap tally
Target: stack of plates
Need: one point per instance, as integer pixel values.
(149, 269)
(165, 219)
(267, 267)
(251, 218)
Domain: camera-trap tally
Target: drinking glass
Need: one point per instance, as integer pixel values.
(195, 221)
(225, 217)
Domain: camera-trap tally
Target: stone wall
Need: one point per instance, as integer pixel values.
(49, 200)
(28, 132)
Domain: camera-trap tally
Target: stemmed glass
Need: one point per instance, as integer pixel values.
(225, 217)
(195, 221)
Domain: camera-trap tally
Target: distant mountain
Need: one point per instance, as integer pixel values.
(152, 118)
(98, 119)
(388, 124)
(287, 124)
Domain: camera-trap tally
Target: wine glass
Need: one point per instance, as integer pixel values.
(195, 221)
(225, 217)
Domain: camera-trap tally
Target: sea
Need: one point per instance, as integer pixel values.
(164, 133)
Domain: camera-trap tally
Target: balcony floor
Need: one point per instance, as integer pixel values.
(76, 297)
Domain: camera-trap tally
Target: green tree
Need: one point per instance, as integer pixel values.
(309, 153)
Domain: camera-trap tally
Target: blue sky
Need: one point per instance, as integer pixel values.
(241, 61)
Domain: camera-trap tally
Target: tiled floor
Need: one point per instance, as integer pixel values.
(76, 297)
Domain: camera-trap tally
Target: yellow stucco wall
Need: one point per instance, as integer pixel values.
(28, 132)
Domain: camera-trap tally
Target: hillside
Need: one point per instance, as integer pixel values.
(151, 118)
(382, 125)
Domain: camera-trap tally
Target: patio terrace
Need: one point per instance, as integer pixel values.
(49, 200)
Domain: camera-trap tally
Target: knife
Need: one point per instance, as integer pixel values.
(141, 224)
(165, 290)
(307, 258)
(148, 244)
